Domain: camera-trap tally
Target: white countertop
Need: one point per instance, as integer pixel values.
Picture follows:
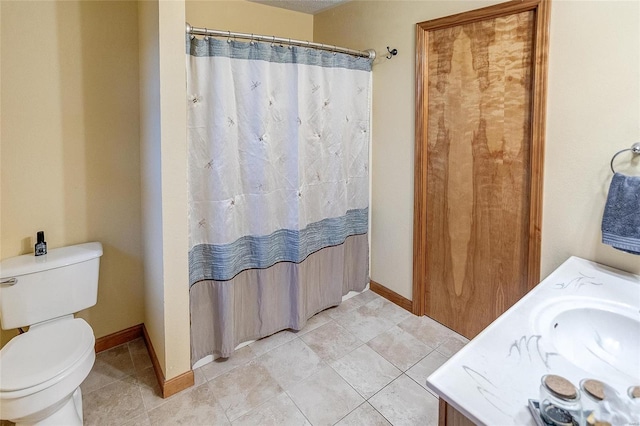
(492, 378)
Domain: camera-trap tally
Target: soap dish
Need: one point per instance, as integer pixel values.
(534, 407)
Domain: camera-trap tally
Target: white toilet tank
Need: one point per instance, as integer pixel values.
(62, 282)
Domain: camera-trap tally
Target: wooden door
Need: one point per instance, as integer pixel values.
(479, 143)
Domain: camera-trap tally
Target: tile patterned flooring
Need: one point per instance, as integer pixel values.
(364, 362)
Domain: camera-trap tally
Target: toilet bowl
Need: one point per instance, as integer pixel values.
(41, 370)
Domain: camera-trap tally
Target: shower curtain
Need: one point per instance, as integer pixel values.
(278, 149)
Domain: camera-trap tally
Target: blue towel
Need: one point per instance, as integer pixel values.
(621, 219)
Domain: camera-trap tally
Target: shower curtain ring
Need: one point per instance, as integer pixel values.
(273, 41)
(228, 36)
(334, 49)
(290, 46)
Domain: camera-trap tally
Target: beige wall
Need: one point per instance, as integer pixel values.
(69, 142)
(173, 94)
(248, 17)
(164, 182)
(151, 175)
(593, 111)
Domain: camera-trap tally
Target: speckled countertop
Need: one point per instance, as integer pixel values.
(492, 378)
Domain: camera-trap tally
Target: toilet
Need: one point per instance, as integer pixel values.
(41, 370)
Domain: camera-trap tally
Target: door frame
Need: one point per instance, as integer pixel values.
(541, 9)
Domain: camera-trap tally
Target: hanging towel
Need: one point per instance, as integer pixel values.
(621, 219)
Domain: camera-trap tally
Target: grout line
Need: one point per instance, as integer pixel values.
(133, 364)
(376, 410)
(423, 387)
(296, 405)
(133, 374)
(144, 407)
(226, 416)
(346, 415)
(384, 387)
(420, 360)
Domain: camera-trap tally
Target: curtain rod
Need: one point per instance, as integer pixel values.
(369, 53)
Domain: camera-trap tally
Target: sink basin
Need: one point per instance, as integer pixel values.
(599, 337)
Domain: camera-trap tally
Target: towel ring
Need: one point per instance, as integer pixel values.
(635, 149)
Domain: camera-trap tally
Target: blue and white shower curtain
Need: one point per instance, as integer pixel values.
(278, 148)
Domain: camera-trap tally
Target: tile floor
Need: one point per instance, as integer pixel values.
(364, 362)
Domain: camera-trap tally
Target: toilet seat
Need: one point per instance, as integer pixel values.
(42, 356)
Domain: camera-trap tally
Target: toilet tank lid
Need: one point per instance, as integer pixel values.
(55, 258)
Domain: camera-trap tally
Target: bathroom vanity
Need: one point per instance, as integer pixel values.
(582, 321)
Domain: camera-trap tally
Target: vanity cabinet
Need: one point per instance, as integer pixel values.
(449, 416)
